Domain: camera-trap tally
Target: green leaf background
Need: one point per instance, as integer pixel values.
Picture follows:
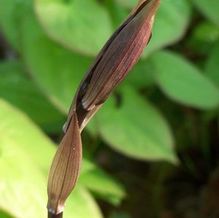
(52, 44)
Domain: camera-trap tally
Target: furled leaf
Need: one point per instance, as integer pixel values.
(135, 128)
(24, 156)
(209, 9)
(65, 167)
(81, 25)
(212, 65)
(18, 89)
(120, 53)
(118, 56)
(183, 82)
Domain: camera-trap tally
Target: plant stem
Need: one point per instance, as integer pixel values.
(51, 215)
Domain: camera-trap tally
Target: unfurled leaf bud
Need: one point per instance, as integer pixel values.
(112, 64)
(65, 168)
(120, 54)
(115, 60)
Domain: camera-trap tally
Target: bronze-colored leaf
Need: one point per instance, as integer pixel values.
(65, 168)
(115, 60)
(121, 55)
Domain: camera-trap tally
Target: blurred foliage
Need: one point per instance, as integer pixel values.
(46, 46)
